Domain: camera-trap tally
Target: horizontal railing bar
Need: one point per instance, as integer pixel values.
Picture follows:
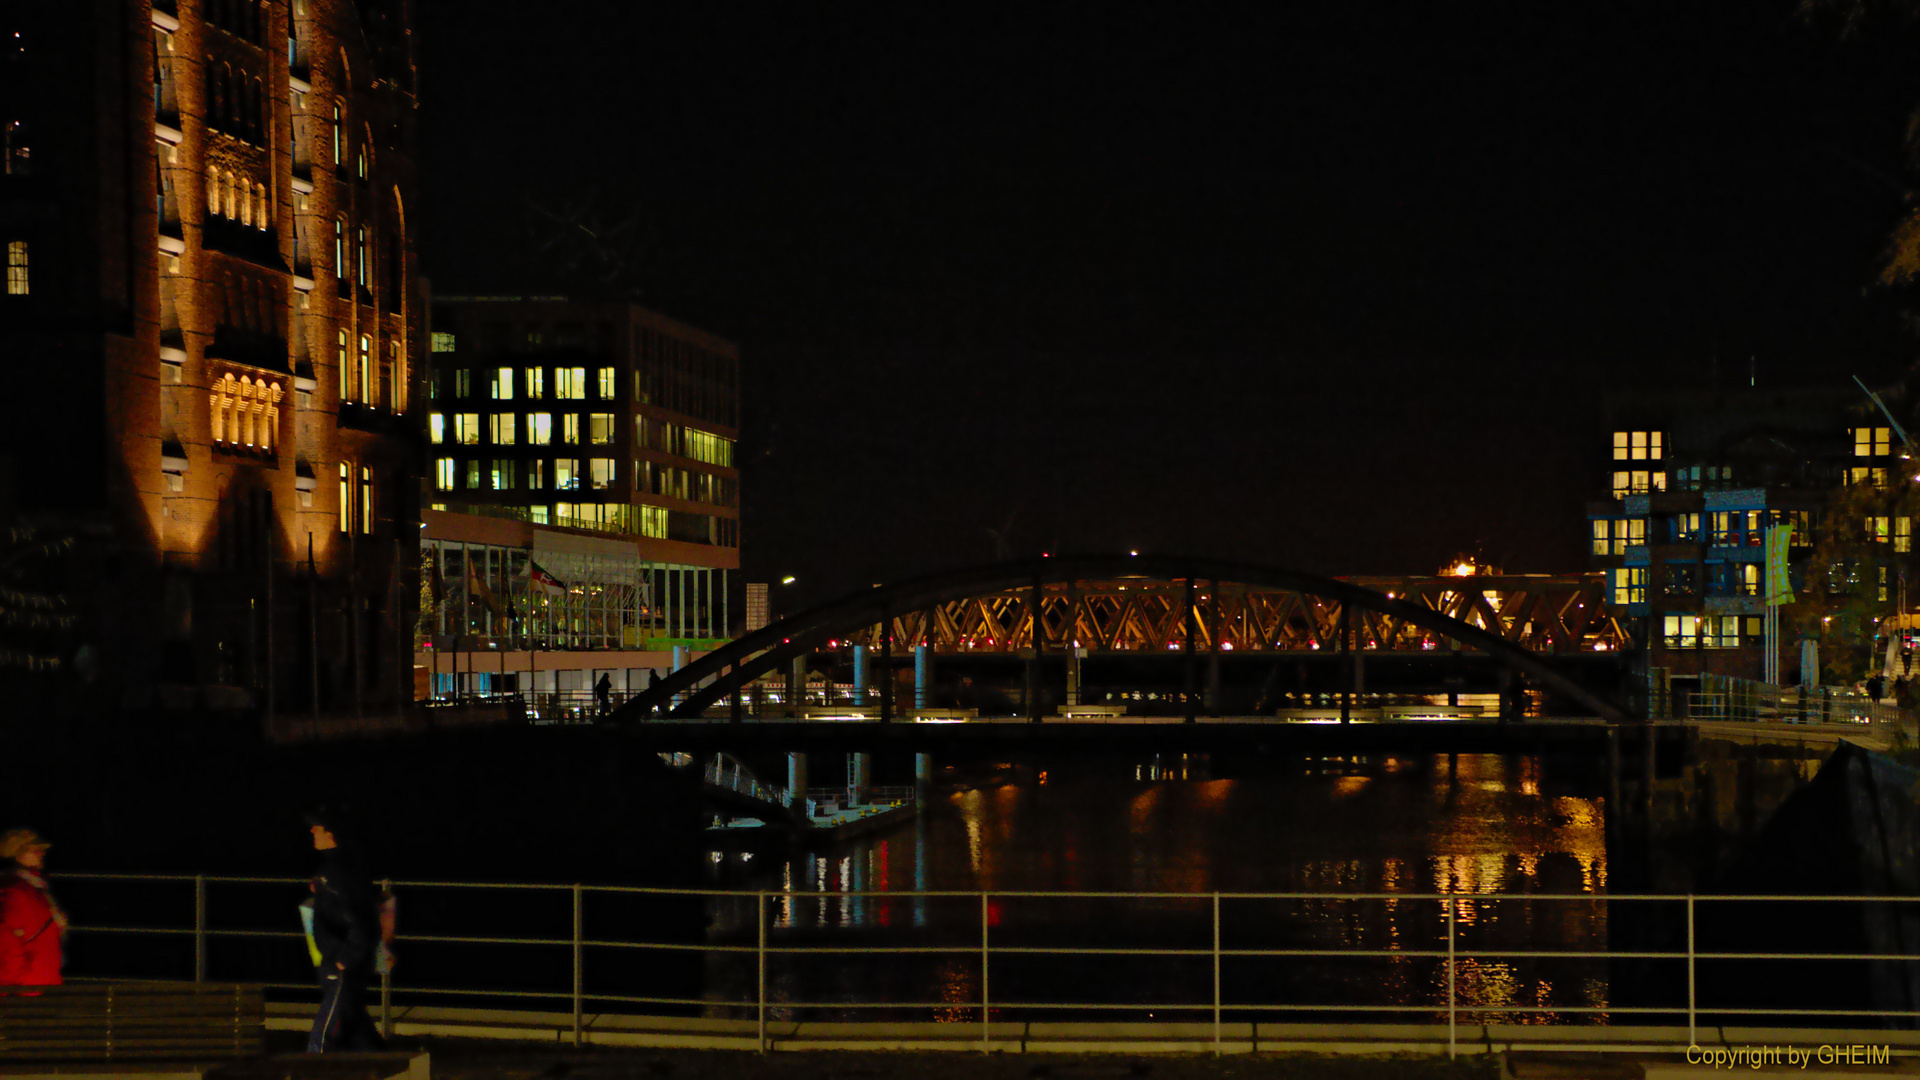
(1015, 893)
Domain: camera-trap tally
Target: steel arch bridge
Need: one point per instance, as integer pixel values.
(1147, 601)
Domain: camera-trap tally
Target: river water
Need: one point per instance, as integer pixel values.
(1472, 826)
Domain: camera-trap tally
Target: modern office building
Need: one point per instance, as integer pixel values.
(1694, 481)
(584, 492)
(214, 326)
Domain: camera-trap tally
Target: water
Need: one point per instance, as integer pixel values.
(1489, 824)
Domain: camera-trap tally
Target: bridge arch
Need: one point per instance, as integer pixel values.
(771, 647)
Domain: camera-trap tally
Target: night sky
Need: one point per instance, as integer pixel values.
(1335, 286)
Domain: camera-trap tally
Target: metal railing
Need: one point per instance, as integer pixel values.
(1723, 698)
(1445, 950)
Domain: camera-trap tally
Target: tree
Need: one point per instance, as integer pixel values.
(1838, 602)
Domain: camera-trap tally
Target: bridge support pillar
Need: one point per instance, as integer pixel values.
(797, 781)
(1074, 656)
(860, 675)
(680, 653)
(922, 675)
(922, 780)
(859, 778)
(796, 685)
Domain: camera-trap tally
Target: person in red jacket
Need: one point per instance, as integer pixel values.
(32, 926)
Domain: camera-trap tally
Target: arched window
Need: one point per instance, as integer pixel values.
(360, 250)
(216, 94)
(366, 501)
(365, 372)
(246, 204)
(261, 218)
(338, 134)
(340, 248)
(230, 184)
(213, 192)
(346, 500)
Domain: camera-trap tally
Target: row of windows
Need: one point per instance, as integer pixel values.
(507, 474)
(1738, 528)
(1638, 445)
(237, 199)
(501, 429)
(244, 19)
(364, 384)
(677, 439)
(503, 384)
(671, 373)
(581, 474)
(1709, 631)
(235, 104)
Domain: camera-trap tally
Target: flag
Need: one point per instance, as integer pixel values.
(1779, 581)
(544, 581)
(479, 588)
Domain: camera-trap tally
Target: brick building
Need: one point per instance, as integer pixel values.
(213, 307)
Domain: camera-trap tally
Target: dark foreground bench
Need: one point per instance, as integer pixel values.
(132, 1021)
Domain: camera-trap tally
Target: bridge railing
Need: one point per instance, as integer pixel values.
(1237, 952)
(1721, 698)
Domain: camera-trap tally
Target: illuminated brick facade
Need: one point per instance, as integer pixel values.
(219, 331)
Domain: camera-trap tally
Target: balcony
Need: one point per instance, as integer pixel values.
(258, 246)
(249, 348)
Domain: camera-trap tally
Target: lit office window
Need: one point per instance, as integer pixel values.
(442, 341)
(503, 474)
(570, 428)
(536, 380)
(366, 501)
(571, 382)
(601, 472)
(466, 428)
(443, 474)
(566, 473)
(473, 475)
(500, 384)
(540, 428)
(1638, 445)
(606, 383)
(437, 427)
(346, 499)
(600, 428)
(500, 428)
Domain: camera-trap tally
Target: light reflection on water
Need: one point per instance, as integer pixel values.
(1490, 824)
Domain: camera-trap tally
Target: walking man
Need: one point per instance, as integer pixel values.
(346, 932)
(603, 690)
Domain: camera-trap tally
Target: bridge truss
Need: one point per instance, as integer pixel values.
(1543, 613)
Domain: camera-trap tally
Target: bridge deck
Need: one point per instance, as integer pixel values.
(1218, 732)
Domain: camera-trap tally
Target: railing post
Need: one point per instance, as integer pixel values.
(199, 928)
(1452, 1044)
(1693, 1035)
(386, 980)
(760, 918)
(985, 1015)
(1216, 973)
(578, 1030)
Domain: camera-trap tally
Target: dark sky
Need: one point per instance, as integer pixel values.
(1328, 286)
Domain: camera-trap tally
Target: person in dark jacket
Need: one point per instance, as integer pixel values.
(346, 931)
(603, 691)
